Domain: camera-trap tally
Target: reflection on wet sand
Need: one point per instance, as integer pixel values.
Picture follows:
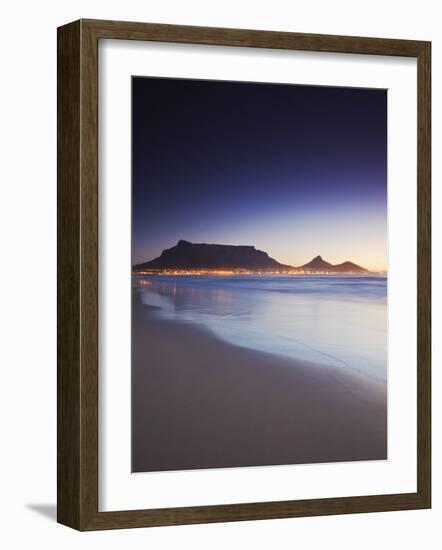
(217, 300)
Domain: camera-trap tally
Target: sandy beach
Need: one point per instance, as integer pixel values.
(200, 402)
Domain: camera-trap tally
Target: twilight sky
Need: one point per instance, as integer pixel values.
(296, 171)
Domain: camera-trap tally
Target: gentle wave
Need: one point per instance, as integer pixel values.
(328, 320)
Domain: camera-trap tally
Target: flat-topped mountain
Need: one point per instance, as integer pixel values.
(186, 255)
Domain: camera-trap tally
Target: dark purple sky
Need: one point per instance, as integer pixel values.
(294, 170)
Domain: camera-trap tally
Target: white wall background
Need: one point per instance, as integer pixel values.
(28, 276)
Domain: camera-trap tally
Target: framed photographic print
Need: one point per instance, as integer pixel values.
(243, 275)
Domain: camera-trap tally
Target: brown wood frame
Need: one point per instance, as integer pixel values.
(77, 459)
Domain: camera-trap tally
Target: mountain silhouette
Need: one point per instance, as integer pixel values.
(317, 264)
(350, 267)
(187, 255)
(193, 256)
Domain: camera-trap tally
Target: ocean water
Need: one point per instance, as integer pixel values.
(328, 320)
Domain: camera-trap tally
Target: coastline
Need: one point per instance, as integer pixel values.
(200, 402)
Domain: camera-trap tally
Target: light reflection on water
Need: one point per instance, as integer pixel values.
(340, 321)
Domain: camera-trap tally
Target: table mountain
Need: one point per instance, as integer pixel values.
(187, 255)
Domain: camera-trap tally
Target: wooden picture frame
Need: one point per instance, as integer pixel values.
(78, 274)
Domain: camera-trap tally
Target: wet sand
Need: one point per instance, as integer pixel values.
(199, 402)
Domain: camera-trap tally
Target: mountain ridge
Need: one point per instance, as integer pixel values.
(186, 255)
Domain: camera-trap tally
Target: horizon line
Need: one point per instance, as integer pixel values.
(291, 265)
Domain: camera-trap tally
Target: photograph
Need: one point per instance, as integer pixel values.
(259, 274)
(243, 274)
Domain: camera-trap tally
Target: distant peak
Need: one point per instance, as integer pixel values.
(318, 263)
(181, 242)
